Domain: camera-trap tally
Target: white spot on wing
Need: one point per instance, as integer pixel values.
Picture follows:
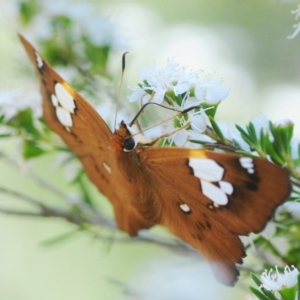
(64, 117)
(248, 164)
(206, 169)
(54, 100)
(64, 98)
(185, 208)
(226, 187)
(107, 168)
(214, 193)
(39, 60)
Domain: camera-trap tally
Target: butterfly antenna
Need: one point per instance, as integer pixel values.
(179, 112)
(119, 92)
(166, 107)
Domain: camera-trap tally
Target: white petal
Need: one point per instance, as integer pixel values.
(269, 230)
(210, 91)
(293, 208)
(181, 88)
(159, 96)
(290, 276)
(198, 123)
(180, 138)
(136, 95)
(170, 69)
(217, 93)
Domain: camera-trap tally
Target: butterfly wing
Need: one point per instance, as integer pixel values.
(207, 199)
(85, 132)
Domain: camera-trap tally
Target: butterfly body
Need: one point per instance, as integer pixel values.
(205, 198)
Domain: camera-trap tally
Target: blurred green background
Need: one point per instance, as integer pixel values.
(242, 42)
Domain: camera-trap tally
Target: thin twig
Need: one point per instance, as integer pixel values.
(26, 198)
(40, 181)
(45, 184)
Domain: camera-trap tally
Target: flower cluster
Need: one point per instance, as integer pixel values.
(100, 31)
(14, 101)
(179, 88)
(275, 281)
(276, 285)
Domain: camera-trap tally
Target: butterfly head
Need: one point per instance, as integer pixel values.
(122, 139)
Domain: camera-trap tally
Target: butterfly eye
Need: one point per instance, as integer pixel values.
(129, 145)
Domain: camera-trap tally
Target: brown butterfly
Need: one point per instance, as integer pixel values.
(206, 199)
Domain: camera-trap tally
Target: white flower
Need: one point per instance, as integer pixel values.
(231, 133)
(210, 91)
(283, 122)
(12, 102)
(297, 25)
(269, 231)
(100, 31)
(171, 78)
(275, 281)
(293, 208)
(138, 94)
(197, 122)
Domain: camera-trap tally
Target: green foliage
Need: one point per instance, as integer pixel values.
(28, 10)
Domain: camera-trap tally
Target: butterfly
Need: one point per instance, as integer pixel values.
(207, 199)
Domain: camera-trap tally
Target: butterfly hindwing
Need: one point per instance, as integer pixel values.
(208, 198)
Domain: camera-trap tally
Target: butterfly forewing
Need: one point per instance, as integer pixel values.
(207, 199)
(85, 132)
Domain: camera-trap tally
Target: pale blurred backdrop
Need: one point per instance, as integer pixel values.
(244, 43)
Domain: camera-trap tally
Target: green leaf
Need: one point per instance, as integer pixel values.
(217, 129)
(31, 149)
(256, 279)
(97, 55)
(242, 152)
(252, 133)
(269, 294)
(288, 293)
(24, 121)
(28, 10)
(236, 143)
(258, 293)
(210, 110)
(246, 137)
(241, 130)
(263, 141)
(63, 148)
